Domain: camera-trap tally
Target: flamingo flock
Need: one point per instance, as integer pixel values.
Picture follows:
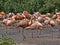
(30, 21)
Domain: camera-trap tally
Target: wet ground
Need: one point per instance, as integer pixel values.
(48, 36)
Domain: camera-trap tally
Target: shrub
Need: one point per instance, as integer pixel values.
(6, 41)
(42, 6)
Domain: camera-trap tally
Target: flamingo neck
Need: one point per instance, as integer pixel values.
(31, 22)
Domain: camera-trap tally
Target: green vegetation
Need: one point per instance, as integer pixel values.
(6, 41)
(42, 6)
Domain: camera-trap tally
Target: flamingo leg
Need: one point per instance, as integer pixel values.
(52, 33)
(23, 34)
(19, 30)
(32, 33)
(38, 35)
(6, 29)
(40, 32)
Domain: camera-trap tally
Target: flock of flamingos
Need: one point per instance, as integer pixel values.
(30, 21)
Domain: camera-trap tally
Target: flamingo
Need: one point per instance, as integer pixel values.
(52, 23)
(58, 20)
(43, 18)
(2, 15)
(9, 15)
(8, 22)
(36, 14)
(18, 16)
(46, 22)
(58, 14)
(27, 14)
(35, 25)
(48, 14)
(24, 23)
(54, 17)
(47, 18)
